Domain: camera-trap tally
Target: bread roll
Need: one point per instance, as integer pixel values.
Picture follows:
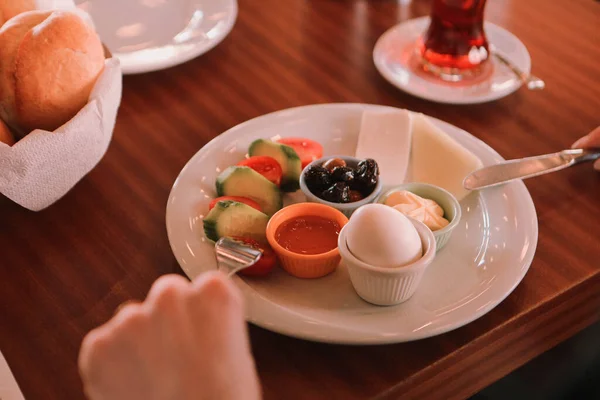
(49, 63)
(11, 8)
(5, 135)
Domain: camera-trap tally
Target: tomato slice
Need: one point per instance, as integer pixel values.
(266, 166)
(308, 150)
(267, 261)
(240, 199)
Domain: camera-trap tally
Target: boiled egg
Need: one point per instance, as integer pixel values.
(381, 236)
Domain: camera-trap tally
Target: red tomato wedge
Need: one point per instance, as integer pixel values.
(240, 199)
(308, 150)
(266, 166)
(267, 261)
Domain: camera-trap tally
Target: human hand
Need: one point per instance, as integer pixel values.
(185, 341)
(592, 139)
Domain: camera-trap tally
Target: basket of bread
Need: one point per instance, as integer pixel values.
(60, 90)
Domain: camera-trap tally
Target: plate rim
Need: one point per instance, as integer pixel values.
(383, 71)
(370, 340)
(197, 51)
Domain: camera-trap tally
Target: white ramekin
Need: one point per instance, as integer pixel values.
(388, 286)
(445, 199)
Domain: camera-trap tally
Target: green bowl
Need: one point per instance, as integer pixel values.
(445, 199)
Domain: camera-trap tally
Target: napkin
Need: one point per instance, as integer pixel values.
(42, 167)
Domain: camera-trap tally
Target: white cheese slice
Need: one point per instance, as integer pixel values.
(438, 159)
(385, 136)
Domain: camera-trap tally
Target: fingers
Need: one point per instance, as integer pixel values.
(108, 342)
(122, 305)
(210, 297)
(211, 293)
(93, 347)
(215, 287)
(592, 139)
(129, 316)
(167, 284)
(113, 350)
(94, 344)
(217, 308)
(167, 292)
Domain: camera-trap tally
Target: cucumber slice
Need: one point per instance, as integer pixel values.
(232, 218)
(291, 165)
(246, 182)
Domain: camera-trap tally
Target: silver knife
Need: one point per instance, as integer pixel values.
(528, 167)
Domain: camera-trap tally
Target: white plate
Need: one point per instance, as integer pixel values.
(486, 258)
(9, 389)
(394, 57)
(149, 35)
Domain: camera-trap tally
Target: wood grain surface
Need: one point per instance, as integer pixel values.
(64, 270)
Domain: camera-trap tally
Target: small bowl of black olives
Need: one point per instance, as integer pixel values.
(342, 182)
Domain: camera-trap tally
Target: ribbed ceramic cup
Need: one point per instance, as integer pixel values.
(388, 286)
(445, 199)
(346, 208)
(305, 265)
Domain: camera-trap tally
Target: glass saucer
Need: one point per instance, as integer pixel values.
(396, 58)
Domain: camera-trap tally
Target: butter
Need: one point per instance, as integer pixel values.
(425, 210)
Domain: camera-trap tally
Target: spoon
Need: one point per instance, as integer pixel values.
(234, 255)
(531, 81)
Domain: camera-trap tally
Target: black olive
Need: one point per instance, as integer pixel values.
(338, 193)
(366, 176)
(334, 162)
(370, 165)
(355, 195)
(342, 174)
(317, 178)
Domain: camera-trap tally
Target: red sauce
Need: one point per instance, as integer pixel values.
(309, 234)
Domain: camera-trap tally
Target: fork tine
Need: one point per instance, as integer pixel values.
(235, 255)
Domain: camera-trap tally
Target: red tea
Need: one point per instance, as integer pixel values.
(455, 45)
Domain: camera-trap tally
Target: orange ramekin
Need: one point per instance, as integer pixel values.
(305, 265)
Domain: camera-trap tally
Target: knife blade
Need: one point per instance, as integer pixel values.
(529, 167)
(9, 389)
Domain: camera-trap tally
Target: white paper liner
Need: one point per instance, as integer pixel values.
(42, 167)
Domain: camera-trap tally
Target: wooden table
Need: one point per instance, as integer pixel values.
(65, 270)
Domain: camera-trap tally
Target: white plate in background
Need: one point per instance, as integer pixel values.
(488, 255)
(149, 35)
(394, 57)
(9, 389)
